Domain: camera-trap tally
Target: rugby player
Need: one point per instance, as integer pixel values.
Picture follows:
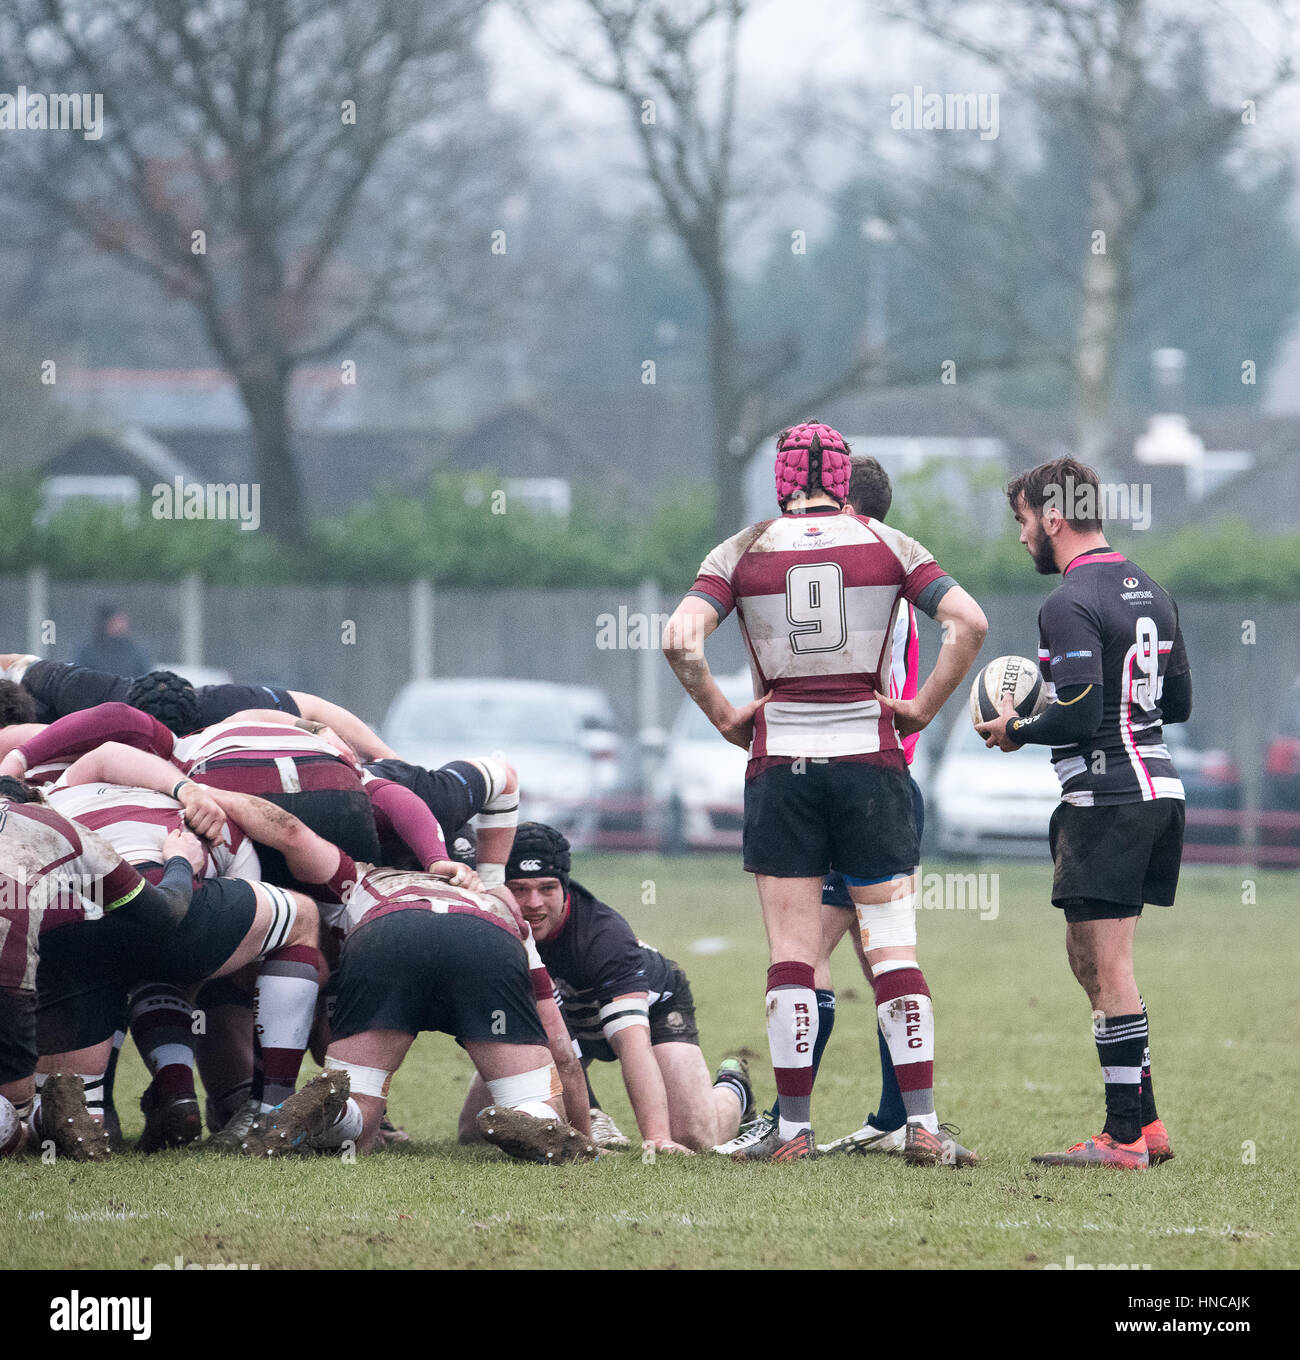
(300, 764)
(106, 929)
(827, 786)
(1112, 659)
(870, 497)
(622, 1001)
(52, 876)
(422, 954)
(123, 794)
(58, 689)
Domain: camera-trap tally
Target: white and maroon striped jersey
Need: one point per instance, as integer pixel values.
(233, 739)
(369, 892)
(136, 823)
(52, 873)
(816, 595)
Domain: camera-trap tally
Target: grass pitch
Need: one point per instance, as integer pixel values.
(1016, 1070)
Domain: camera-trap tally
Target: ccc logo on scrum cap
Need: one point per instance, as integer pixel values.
(530, 866)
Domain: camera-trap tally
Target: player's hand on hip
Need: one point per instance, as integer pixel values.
(203, 814)
(738, 727)
(994, 731)
(186, 843)
(909, 716)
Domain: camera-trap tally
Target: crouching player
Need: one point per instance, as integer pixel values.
(421, 954)
(624, 1002)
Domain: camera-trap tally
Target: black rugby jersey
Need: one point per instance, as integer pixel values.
(1109, 623)
(596, 957)
(60, 689)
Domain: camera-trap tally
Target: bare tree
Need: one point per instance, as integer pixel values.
(1107, 64)
(674, 68)
(299, 171)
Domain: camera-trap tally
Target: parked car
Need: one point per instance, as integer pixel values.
(698, 788)
(1280, 822)
(988, 802)
(1282, 763)
(1212, 785)
(534, 725)
(599, 734)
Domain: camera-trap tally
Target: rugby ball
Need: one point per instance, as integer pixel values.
(1015, 676)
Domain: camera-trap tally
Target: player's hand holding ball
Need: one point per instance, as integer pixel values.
(1007, 688)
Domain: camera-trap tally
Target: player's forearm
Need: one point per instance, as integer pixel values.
(573, 1080)
(81, 732)
(113, 763)
(311, 859)
(495, 831)
(365, 742)
(1176, 698)
(1073, 717)
(964, 630)
(411, 820)
(644, 1082)
(683, 648)
(163, 907)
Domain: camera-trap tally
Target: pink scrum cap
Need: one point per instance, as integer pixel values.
(812, 458)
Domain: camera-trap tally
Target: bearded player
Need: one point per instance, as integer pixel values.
(1112, 659)
(827, 786)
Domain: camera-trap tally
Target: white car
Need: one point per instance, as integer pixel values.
(987, 802)
(698, 790)
(534, 725)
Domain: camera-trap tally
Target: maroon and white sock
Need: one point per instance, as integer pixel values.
(791, 1034)
(906, 1016)
(162, 1026)
(284, 1007)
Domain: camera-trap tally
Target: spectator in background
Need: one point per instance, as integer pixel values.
(113, 649)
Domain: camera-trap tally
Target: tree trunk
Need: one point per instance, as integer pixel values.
(724, 399)
(266, 399)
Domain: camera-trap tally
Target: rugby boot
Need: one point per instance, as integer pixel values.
(233, 1132)
(1157, 1141)
(750, 1134)
(605, 1133)
(289, 1126)
(953, 1152)
(868, 1139)
(65, 1120)
(389, 1134)
(528, 1138)
(773, 1148)
(1101, 1150)
(169, 1123)
(921, 1147)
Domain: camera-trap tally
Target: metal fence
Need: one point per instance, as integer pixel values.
(359, 646)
